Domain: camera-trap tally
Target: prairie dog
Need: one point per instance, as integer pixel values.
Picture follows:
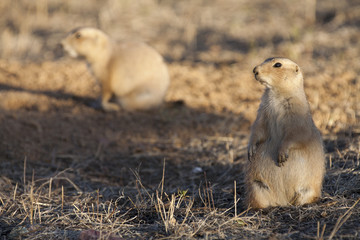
(131, 71)
(286, 157)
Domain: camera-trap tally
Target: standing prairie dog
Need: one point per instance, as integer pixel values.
(286, 158)
(131, 71)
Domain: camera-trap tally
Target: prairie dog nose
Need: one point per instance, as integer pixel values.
(255, 71)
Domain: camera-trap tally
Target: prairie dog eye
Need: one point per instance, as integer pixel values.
(77, 35)
(277, 65)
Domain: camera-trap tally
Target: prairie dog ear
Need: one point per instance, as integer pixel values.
(297, 68)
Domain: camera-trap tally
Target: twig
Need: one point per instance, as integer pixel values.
(15, 190)
(25, 174)
(163, 179)
(235, 202)
(62, 197)
(50, 183)
(342, 219)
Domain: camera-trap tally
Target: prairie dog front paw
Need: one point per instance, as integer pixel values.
(110, 107)
(283, 157)
(252, 150)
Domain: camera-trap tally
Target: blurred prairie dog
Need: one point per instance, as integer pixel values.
(286, 158)
(131, 71)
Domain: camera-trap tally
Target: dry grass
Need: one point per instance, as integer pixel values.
(69, 171)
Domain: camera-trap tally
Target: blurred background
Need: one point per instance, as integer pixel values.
(197, 30)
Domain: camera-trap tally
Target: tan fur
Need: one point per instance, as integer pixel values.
(286, 158)
(133, 72)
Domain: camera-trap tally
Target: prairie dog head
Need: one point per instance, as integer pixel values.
(89, 43)
(279, 74)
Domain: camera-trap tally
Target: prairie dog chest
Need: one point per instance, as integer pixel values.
(277, 114)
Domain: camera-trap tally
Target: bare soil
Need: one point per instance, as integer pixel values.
(68, 170)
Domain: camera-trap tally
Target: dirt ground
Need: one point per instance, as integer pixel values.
(71, 171)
